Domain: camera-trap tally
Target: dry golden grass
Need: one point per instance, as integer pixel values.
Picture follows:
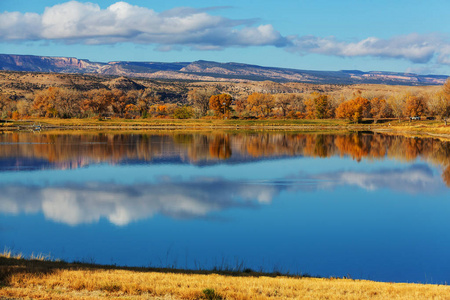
(52, 280)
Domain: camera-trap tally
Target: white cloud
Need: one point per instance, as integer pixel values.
(76, 22)
(122, 204)
(413, 180)
(414, 47)
(87, 23)
(17, 26)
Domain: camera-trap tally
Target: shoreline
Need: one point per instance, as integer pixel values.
(435, 129)
(39, 278)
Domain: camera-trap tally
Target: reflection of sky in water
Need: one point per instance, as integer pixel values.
(381, 220)
(120, 200)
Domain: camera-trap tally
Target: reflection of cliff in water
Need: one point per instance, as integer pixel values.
(25, 151)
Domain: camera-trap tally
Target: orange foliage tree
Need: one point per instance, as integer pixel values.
(220, 104)
(120, 102)
(57, 102)
(354, 110)
(379, 108)
(261, 104)
(415, 106)
(98, 101)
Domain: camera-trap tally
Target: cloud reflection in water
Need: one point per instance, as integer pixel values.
(121, 204)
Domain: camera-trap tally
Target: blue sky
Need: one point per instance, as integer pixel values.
(411, 36)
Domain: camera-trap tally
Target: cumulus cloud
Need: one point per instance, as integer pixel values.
(76, 22)
(414, 47)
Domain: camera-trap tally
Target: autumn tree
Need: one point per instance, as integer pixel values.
(439, 106)
(240, 106)
(379, 108)
(199, 99)
(120, 101)
(24, 107)
(44, 102)
(98, 101)
(445, 102)
(220, 104)
(446, 88)
(184, 112)
(298, 107)
(261, 104)
(354, 110)
(322, 108)
(288, 103)
(415, 106)
(397, 104)
(131, 111)
(5, 102)
(144, 99)
(317, 106)
(57, 102)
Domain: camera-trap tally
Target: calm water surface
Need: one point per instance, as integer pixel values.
(367, 205)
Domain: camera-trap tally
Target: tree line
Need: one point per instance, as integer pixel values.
(57, 102)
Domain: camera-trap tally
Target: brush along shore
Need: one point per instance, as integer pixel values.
(38, 278)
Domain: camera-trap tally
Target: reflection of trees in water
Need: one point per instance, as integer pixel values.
(73, 150)
(220, 147)
(446, 176)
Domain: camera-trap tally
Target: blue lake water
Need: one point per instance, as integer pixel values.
(363, 205)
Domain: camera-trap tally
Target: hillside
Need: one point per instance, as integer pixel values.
(209, 71)
(18, 85)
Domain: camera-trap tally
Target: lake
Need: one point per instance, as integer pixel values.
(359, 204)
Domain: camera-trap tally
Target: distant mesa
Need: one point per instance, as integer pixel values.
(208, 71)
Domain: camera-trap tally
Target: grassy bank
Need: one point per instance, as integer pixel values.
(41, 279)
(405, 127)
(171, 123)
